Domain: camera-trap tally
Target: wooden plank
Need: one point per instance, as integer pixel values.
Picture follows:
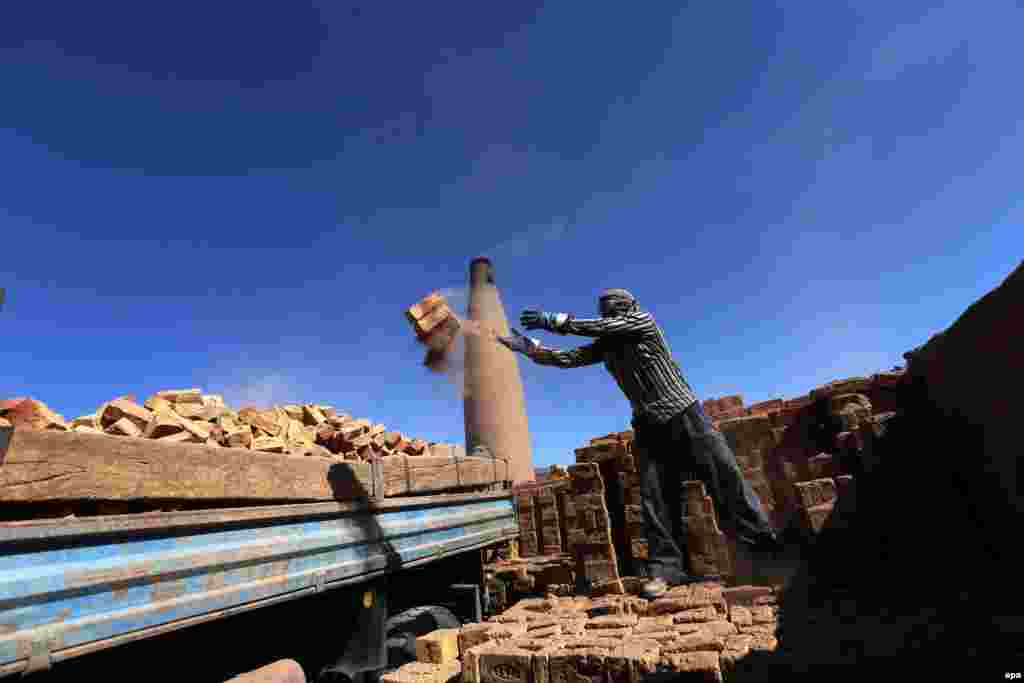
(48, 466)
(405, 475)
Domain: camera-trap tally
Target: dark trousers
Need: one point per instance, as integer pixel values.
(688, 448)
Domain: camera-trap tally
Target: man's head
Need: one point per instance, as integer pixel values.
(616, 302)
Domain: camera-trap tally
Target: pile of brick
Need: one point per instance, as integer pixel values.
(800, 454)
(190, 416)
(697, 632)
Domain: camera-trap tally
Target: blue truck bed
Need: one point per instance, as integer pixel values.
(73, 586)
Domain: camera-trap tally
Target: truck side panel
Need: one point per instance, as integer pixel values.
(59, 594)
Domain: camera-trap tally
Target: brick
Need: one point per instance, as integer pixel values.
(616, 634)
(676, 604)
(699, 666)
(639, 548)
(586, 478)
(472, 635)
(698, 615)
(506, 664)
(745, 595)
(612, 621)
(616, 605)
(123, 409)
(124, 427)
(763, 614)
(438, 647)
(759, 629)
(420, 672)
(699, 641)
(653, 624)
(740, 616)
(630, 662)
(720, 628)
(578, 665)
(471, 661)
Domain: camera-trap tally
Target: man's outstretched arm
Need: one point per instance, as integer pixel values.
(636, 323)
(541, 355)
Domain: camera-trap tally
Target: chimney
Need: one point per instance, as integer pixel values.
(495, 409)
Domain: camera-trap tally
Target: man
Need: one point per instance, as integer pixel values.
(673, 441)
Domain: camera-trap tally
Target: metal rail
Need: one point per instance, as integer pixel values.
(68, 587)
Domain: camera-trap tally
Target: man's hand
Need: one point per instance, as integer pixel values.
(520, 344)
(539, 320)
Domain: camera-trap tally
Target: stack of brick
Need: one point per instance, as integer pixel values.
(700, 632)
(590, 541)
(550, 533)
(529, 539)
(635, 533)
(613, 454)
(708, 548)
(724, 408)
(823, 435)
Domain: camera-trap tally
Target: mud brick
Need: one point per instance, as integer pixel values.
(765, 407)
(586, 478)
(615, 634)
(123, 409)
(639, 548)
(612, 621)
(815, 492)
(653, 624)
(674, 604)
(471, 661)
(720, 628)
(740, 615)
(698, 641)
(698, 666)
(697, 615)
(630, 662)
(573, 627)
(760, 629)
(763, 614)
(616, 605)
(548, 512)
(420, 672)
(472, 635)
(745, 595)
(438, 647)
(506, 664)
(850, 385)
(838, 402)
(579, 664)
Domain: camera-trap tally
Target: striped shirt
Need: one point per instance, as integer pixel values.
(636, 354)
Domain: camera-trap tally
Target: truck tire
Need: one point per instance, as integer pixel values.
(404, 628)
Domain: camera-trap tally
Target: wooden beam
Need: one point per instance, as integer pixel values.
(409, 475)
(49, 466)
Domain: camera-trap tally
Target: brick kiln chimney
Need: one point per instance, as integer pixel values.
(495, 409)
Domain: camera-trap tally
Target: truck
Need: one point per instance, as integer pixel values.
(342, 587)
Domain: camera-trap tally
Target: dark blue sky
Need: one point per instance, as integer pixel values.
(245, 196)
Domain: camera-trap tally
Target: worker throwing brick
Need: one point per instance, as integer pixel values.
(674, 440)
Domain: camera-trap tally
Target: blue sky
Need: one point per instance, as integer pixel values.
(245, 196)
